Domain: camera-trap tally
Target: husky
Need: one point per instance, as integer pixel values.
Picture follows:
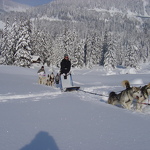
(125, 97)
(42, 79)
(48, 80)
(42, 76)
(52, 79)
(145, 91)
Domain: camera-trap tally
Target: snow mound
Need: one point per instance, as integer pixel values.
(137, 81)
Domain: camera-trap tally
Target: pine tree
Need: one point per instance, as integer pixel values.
(104, 48)
(95, 49)
(6, 45)
(88, 52)
(14, 39)
(23, 46)
(79, 55)
(50, 60)
(110, 61)
(85, 54)
(131, 59)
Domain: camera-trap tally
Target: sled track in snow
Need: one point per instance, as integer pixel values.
(4, 98)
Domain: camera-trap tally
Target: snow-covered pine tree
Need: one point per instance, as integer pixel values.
(58, 50)
(110, 61)
(144, 47)
(43, 48)
(87, 52)
(95, 48)
(1, 34)
(23, 46)
(79, 54)
(51, 53)
(66, 39)
(14, 38)
(74, 48)
(131, 59)
(91, 49)
(104, 47)
(36, 42)
(6, 44)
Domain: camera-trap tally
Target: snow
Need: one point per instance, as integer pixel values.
(2, 24)
(39, 117)
(9, 5)
(145, 3)
(45, 17)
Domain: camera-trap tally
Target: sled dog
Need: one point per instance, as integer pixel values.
(125, 97)
(50, 79)
(42, 79)
(145, 91)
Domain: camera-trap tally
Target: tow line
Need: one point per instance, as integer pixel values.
(143, 103)
(91, 93)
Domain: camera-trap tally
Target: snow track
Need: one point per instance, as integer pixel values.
(4, 98)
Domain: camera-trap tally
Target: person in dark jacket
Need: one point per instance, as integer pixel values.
(41, 71)
(65, 65)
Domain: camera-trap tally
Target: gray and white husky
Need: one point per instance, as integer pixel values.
(145, 91)
(125, 97)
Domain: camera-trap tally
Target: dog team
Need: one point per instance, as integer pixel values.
(48, 80)
(129, 96)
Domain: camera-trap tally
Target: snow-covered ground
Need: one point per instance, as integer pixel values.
(39, 117)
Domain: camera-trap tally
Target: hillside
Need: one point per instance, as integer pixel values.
(8, 5)
(86, 16)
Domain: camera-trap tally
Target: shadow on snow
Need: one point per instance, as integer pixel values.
(42, 141)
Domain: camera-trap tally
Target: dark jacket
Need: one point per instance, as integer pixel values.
(41, 70)
(65, 66)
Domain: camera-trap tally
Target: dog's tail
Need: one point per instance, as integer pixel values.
(111, 97)
(126, 84)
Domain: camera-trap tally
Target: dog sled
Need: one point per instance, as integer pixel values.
(66, 83)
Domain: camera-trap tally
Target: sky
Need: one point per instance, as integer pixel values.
(33, 2)
(40, 117)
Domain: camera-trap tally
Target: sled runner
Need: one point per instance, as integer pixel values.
(67, 83)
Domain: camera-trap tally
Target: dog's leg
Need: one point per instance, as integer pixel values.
(47, 82)
(40, 80)
(44, 80)
(53, 83)
(126, 105)
(138, 106)
(129, 105)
